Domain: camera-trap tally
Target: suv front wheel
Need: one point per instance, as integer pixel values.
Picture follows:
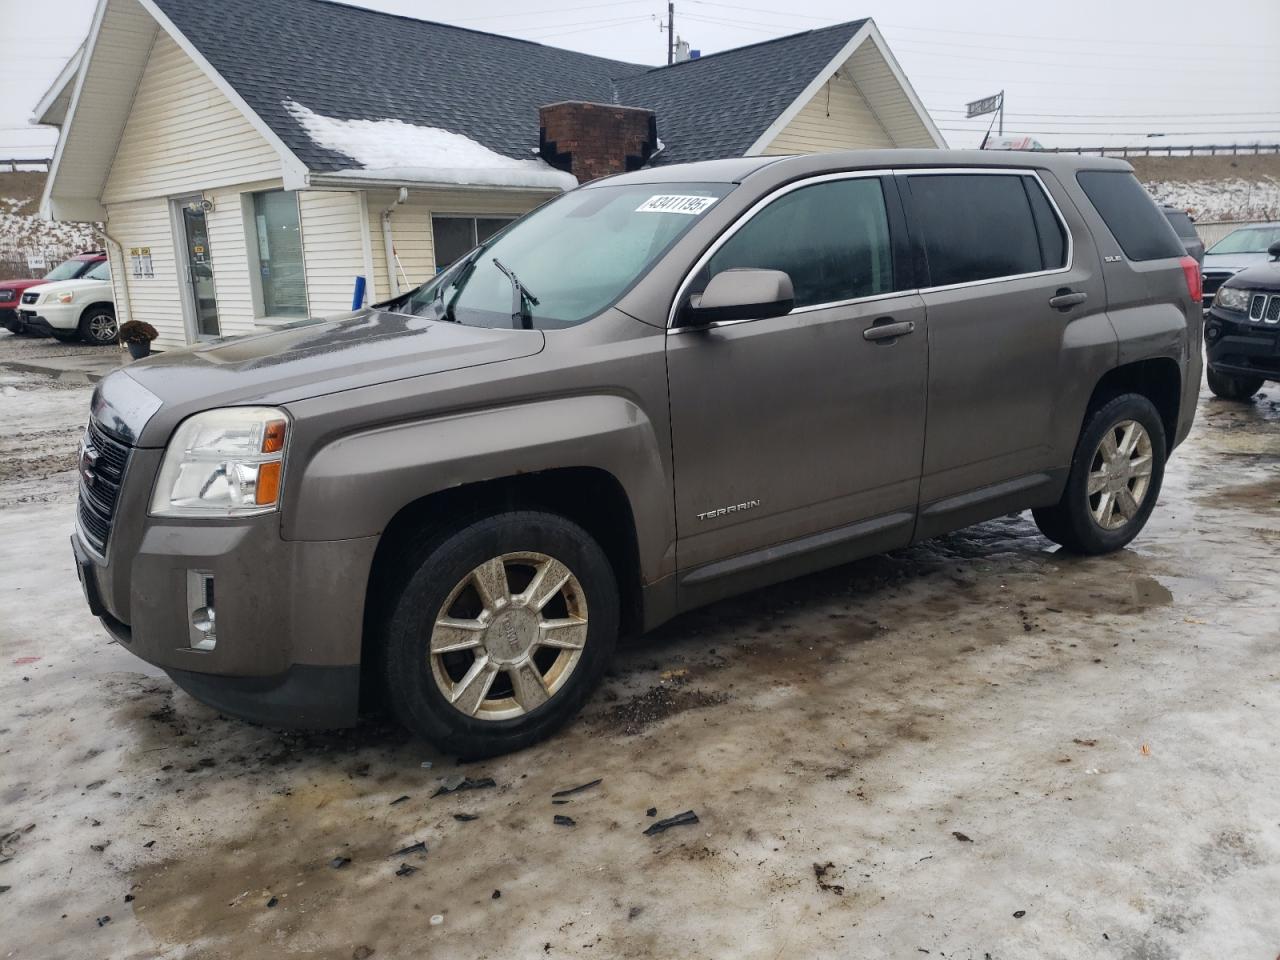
(1114, 480)
(1229, 387)
(499, 632)
(98, 325)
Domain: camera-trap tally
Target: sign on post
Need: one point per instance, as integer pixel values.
(984, 106)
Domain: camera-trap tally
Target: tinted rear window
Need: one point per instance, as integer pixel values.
(1130, 214)
(975, 227)
(1182, 225)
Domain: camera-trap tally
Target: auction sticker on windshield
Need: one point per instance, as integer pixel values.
(675, 203)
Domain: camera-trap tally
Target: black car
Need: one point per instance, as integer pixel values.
(1242, 331)
(1185, 228)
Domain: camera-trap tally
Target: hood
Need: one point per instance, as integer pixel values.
(315, 357)
(62, 286)
(1233, 261)
(20, 284)
(1265, 276)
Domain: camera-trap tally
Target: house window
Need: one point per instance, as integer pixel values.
(281, 285)
(452, 236)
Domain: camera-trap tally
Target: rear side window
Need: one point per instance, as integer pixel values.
(1053, 240)
(832, 238)
(1182, 225)
(979, 227)
(1130, 214)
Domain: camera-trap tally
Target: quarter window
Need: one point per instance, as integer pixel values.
(1130, 214)
(452, 237)
(981, 227)
(281, 280)
(832, 238)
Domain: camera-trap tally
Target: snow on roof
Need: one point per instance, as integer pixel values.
(395, 150)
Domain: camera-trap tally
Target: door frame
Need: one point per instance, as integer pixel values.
(182, 264)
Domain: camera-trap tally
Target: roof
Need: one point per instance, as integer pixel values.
(353, 63)
(484, 86)
(719, 105)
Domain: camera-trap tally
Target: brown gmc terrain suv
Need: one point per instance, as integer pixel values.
(657, 390)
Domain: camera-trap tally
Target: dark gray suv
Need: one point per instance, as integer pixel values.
(660, 389)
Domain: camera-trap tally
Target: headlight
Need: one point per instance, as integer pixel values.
(223, 463)
(1231, 298)
(66, 297)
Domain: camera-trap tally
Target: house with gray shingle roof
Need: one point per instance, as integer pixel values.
(248, 168)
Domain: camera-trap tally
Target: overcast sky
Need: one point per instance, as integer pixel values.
(1075, 72)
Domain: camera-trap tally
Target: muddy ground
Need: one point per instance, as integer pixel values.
(977, 747)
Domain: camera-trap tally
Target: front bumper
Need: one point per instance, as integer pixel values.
(1241, 348)
(51, 317)
(289, 614)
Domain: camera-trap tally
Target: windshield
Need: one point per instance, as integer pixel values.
(66, 270)
(1248, 240)
(569, 259)
(101, 272)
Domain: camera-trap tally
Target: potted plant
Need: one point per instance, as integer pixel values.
(137, 336)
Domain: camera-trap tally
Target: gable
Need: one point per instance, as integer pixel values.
(183, 134)
(837, 117)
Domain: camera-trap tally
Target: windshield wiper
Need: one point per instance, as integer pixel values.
(521, 297)
(442, 310)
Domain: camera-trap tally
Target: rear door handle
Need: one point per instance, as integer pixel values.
(886, 329)
(1066, 298)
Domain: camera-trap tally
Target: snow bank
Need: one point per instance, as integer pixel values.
(23, 232)
(395, 150)
(1229, 199)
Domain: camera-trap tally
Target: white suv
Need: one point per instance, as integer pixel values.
(69, 308)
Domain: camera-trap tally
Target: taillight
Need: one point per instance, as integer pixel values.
(1191, 270)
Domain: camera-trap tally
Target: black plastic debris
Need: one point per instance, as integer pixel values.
(497, 895)
(103, 921)
(128, 898)
(1019, 914)
(272, 902)
(5, 889)
(961, 837)
(405, 870)
(559, 803)
(679, 820)
(399, 800)
(149, 844)
(569, 792)
(419, 847)
(339, 862)
(466, 783)
(651, 812)
(562, 821)
(465, 817)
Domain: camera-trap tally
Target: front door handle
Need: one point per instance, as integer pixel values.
(1067, 298)
(887, 329)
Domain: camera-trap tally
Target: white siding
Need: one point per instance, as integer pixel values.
(183, 135)
(837, 118)
(333, 248)
(869, 71)
(154, 300)
(411, 224)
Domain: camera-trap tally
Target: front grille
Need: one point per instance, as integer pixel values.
(103, 460)
(1264, 308)
(7, 295)
(30, 297)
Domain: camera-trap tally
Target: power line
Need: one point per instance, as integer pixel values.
(1122, 133)
(540, 13)
(595, 25)
(1130, 116)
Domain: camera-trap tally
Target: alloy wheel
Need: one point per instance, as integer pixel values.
(1120, 474)
(508, 636)
(102, 327)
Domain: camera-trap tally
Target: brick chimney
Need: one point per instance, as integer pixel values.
(592, 140)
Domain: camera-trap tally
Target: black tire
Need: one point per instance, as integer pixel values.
(1230, 387)
(1071, 522)
(432, 568)
(94, 326)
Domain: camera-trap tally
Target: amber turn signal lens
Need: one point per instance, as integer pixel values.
(268, 489)
(273, 437)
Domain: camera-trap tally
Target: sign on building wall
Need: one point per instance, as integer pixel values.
(140, 262)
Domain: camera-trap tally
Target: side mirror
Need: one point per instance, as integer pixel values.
(742, 293)
(1273, 251)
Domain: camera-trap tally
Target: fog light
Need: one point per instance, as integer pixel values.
(204, 621)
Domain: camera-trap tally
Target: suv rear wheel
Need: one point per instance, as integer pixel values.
(98, 325)
(1227, 387)
(1114, 481)
(499, 632)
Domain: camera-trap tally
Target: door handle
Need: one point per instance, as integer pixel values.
(887, 329)
(1067, 298)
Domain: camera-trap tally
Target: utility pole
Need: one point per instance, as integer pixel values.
(671, 36)
(1002, 113)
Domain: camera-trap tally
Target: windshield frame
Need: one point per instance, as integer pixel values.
(429, 291)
